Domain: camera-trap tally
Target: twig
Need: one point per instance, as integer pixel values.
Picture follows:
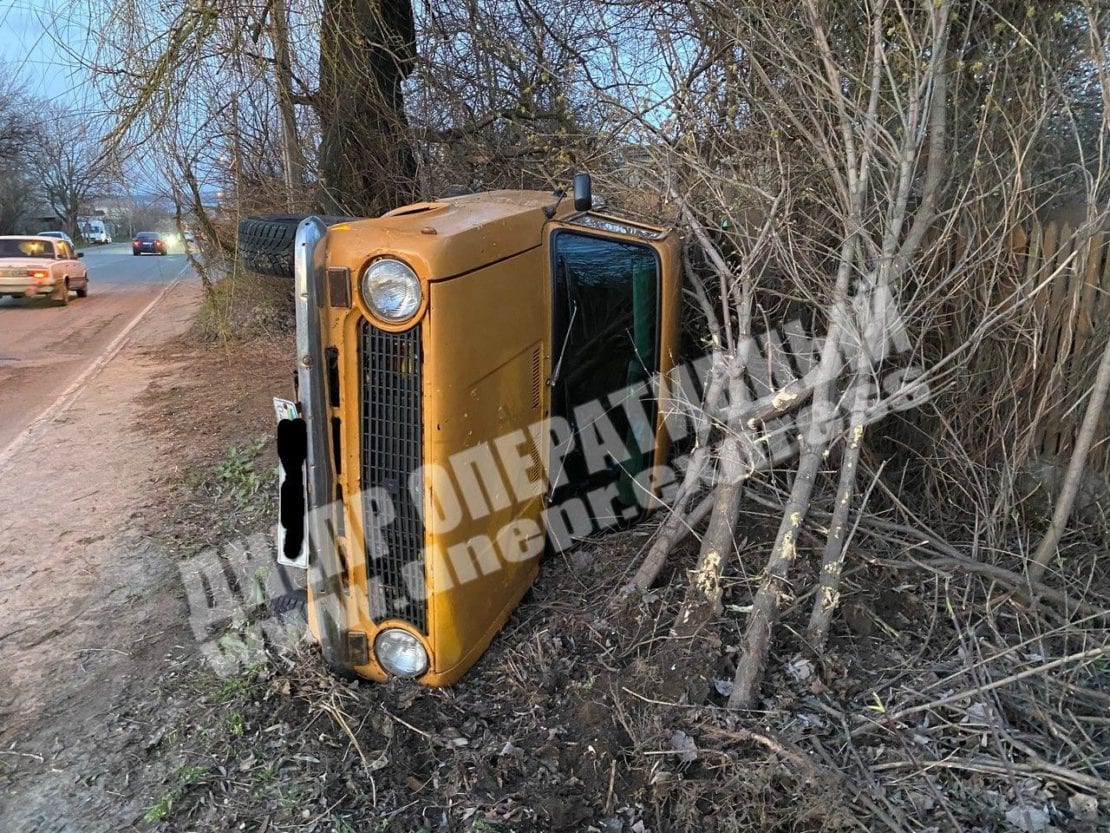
(406, 724)
(337, 715)
(900, 715)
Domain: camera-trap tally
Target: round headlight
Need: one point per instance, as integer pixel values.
(391, 290)
(400, 653)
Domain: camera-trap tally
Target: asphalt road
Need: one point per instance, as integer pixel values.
(45, 349)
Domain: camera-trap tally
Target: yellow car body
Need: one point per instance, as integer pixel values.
(433, 465)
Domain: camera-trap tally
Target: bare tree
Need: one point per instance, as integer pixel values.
(872, 164)
(71, 165)
(17, 129)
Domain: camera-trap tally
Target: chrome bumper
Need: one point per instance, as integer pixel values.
(324, 569)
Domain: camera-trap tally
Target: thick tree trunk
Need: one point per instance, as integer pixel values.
(292, 156)
(366, 51)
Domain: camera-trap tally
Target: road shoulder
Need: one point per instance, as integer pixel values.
(94, 627)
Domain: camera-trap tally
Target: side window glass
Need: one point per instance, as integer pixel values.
(606, 313)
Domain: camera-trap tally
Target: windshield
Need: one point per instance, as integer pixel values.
(147, 235)
(26, 247)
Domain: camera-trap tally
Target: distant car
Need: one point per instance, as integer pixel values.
(149, 242)
(60, 235)
(39, 266)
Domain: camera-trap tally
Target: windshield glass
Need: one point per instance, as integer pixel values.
(26, 247)
(146, 235)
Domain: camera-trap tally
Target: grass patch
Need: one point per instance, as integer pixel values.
(245, 305)
(184, 778)
(232, 687)
(237, 478)
(234, 724)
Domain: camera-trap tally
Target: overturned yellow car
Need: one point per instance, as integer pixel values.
(478, 381)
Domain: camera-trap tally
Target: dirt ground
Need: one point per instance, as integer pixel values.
(932, 711)
(95, 638)
(89, 607)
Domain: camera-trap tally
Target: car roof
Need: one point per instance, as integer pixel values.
(39, 236)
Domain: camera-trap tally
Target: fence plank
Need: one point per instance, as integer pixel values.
(1044, 355)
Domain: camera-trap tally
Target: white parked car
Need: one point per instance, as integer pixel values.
(41, 266)
(60, 235)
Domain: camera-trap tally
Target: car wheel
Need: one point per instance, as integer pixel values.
(135, 253)
(64, 298)
(292, 608)
(83, 292)
(266, 243)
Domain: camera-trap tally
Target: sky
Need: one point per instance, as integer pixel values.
(31, 36)
(42, 44)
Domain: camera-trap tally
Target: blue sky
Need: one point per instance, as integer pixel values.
(42, 44)
(31, 34)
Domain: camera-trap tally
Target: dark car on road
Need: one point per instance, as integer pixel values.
(148, 242)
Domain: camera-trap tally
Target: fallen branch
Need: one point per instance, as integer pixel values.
(901, 715)
(945, 555)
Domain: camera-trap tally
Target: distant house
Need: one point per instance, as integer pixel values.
(40, 218)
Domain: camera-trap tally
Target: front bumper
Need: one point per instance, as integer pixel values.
(325, 571)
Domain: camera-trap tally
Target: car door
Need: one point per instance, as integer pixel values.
(71, 266)
(615, 291)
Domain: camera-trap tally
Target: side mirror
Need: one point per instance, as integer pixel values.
(583, 196)
(80, 254)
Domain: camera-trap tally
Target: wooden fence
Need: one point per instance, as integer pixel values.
(1072, 314)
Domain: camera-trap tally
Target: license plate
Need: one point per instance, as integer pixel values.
(292, 532)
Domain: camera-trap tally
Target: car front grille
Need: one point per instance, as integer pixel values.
(391, 372)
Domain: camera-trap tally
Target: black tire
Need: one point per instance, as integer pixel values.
(135, 253)
(266, 243)
(84, 291)
(292, 608)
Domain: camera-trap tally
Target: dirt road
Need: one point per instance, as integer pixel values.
(44, 348)
(87, 604)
